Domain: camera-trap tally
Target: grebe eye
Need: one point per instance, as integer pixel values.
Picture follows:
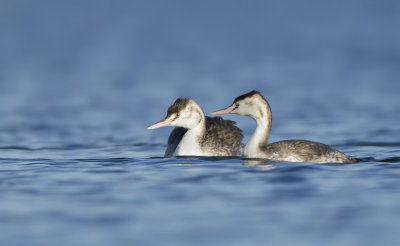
(237, 106)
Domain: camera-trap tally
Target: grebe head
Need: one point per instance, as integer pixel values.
(249, 104)
(184, 113)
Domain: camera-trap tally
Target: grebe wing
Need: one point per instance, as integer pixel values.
(305, 151)
(173, 141)
(224, 136)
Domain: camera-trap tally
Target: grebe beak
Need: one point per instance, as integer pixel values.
(159, 124)
(227, 110)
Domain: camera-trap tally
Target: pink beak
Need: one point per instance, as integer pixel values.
(227, 110)
(159, 124)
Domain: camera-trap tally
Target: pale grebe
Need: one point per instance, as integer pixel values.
(253, 104)
(198, 135)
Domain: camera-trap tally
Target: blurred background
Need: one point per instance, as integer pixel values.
(80, 81)
(120, 64)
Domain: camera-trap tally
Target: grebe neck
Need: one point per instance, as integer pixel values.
(263, 117)
(191, 141)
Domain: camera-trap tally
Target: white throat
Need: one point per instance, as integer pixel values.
(261, 134)
(190, 143)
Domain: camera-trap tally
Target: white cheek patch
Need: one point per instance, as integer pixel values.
(253, 108)
(244, 109)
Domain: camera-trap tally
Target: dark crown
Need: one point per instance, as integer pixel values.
(250, 94)
(178, 105)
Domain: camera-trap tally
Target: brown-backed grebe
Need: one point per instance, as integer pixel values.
(198, 135)
(253, 104)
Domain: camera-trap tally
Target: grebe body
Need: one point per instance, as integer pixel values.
(253, 104)
(198, 135)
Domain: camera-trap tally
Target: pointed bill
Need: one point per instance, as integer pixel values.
(227, 110)
(159, 124)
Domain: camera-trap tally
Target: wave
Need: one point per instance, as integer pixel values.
(369, 144)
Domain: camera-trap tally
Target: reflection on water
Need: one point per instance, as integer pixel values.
(260, 163)
(109, 192)
(80, 82)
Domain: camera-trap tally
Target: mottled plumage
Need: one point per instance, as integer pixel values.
(253, 104)
(222, 136)
(197, 134)
(302, 151)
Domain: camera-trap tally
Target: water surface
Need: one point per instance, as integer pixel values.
(80, 83)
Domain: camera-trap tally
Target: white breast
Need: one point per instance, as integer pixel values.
(190, 145)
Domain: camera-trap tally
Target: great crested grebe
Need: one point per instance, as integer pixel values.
(198, 135)
(253, 104)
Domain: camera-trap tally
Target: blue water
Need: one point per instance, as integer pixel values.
(81, 81)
